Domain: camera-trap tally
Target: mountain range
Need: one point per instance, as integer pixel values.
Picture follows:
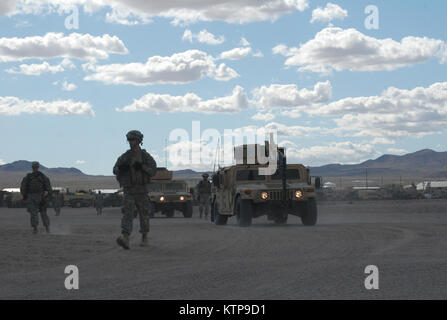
(23, 166)
(425, 162)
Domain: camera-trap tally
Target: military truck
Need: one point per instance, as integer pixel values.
(168, 195)
(12, 198)
(240, 190)
(78, 199)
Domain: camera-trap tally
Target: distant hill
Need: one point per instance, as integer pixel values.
(19, 166)
(23, 166)
(425, 162)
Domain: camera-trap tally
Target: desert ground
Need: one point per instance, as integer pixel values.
(194, 259)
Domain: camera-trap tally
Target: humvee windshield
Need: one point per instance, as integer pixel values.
(154, 187)
(291, 174)
(175, 187)
(249, 175)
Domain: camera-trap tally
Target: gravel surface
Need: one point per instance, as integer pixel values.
(194, 259)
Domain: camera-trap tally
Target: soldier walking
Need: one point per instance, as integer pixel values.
(204, 191)
(99, 203)
(133, 170)
(36, 189)
(58, 201)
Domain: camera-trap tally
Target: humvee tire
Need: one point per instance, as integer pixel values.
(187, 213)
(309, 216)
(219, 219)
(244, 212)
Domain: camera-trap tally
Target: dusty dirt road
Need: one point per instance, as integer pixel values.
(194, 259)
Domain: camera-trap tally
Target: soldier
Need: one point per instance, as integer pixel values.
(99, 203)
(36, 189)
(133, 170)
(204, 191)
(58, 201)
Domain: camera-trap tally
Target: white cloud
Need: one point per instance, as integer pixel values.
(263, 116)
(181, 67)
(381, 140)
(55, 45)
(338, 49)
(329, 13)
(16, 106)
(181, 12)
(288, 131)
(395, 113)
(297, 131)
(236, 53)
(190, 102)
(7, 6)
(45, 67)
(2, 162)
(203, 37)
(397, 151)
(289, 96)
(292, 113)
(336, 152)
(68, 86)
(127, 19)
(80, 161)
(244, 42)
(258, 54)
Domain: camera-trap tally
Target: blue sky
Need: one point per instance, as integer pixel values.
(321, 83)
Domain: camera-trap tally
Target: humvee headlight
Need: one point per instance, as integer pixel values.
(182, 198)
(298, 194)
(264, 195)
(162, 198)
(247, 191)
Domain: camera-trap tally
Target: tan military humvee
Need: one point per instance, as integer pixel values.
(240, 191)
(78, 199)
(167, 195)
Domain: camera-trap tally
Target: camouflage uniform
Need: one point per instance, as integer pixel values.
(134, 170)
(99, 203)
(204, 191)
(32, 189)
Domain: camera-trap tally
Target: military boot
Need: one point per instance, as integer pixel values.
(123, 241)
(35, 231)
(144, 241)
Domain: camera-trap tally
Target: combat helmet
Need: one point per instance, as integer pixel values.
(135, 135)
